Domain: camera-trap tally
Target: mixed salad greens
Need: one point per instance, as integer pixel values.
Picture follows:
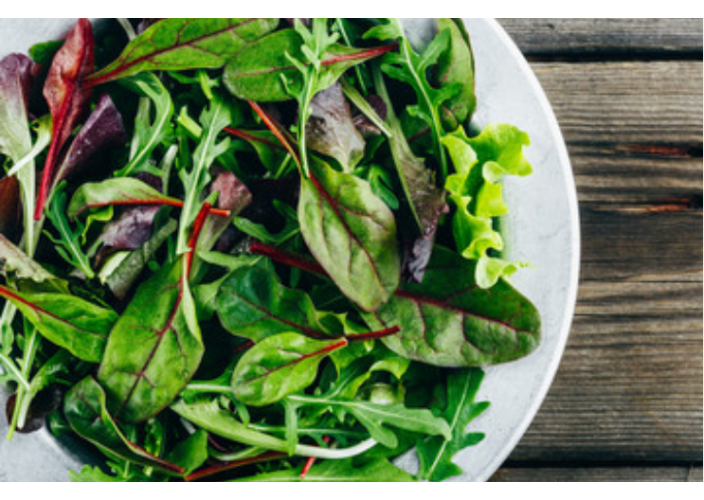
(254, 249)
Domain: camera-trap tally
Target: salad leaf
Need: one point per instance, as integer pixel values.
(377, 418)
(102, 131)
(481, 162)
(86, 411)
(10, 207)
(455, 66)
(149, 132)
(264, 72)
(252, 303)
(19, 268)
(154, 348)
(330, 129)
(16, 142)
(278, 366)
(68, 99)
(375, 470)
(67, 321)
(426, 201)
(190, 453)
(183, 44)
(121, 191)
(450, 321)
(435, 453)
(352, 234)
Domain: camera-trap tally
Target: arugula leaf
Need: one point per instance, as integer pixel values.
(69, 322)
(68, 99)
(252, 303)
(279, 366)
(376, 418)
(214, 119)
(86, 411)
(376, 470)
(352, 234)
(183, 44)
(149, 132)
(450, 321)
(68, 244)
(409, 67)
(435, 453)
(481, 162)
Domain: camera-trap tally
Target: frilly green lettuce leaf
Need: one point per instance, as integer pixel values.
(481, 163)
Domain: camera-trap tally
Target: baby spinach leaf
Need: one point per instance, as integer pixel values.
(68, 99)
(86, 411)
(352, 234)
(252, 303)
(376, 470)
(149, 132)
(154, 348)
(69, 322)
(263, 71)
(434, 452)
(121, 191)
(450, 321)
(330, 129)
(182, 44)
(278, 366)
(481, 162)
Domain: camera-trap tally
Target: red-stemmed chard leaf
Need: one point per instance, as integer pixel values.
(85, 408)
(180, 44)
(102, 131)
(352, 234)
(75, 324)
(68, 98)
(448, 320)
(263, 72)
(156, 346)
(122, 191)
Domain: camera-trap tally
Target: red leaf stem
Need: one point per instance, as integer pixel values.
(249, 137)
(222, 467)
(311, 460)
(193, 240)
(287, 258)
(276, 129)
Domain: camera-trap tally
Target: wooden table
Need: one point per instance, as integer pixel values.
(627, 401)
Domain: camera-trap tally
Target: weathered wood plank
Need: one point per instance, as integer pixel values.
(629, 388)
(599, 474)
(603, 38)
(635, 139)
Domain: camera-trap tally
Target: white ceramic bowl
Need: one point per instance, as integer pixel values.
(542, 228)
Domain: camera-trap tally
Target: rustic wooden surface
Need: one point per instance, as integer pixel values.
(627, 401)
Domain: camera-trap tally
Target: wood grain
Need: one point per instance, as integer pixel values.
(604, 38)
(629, 389)
(599, 474)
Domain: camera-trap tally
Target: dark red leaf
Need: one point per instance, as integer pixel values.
(68, 100)
(10, 208)
(102, 131)
(365, 126)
